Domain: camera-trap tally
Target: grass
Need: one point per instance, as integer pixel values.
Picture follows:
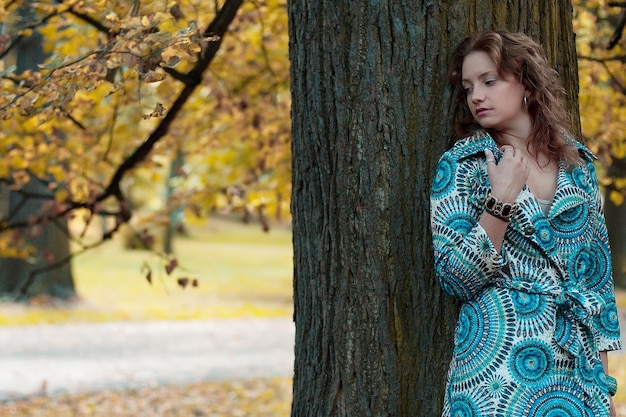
(241, 272)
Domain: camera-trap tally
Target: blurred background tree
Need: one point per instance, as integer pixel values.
(48, 240)
(118, 120)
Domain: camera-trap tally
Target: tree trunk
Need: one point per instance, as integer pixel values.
(33, 276)
(175, 213)
(615, 216)
(372, 112)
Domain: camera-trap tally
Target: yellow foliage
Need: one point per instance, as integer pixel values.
(17, 161)
(98, 96)
(57, 172)
(602, 82)
(620, 183)
(616, 197)
(61, 195)
(12, 246)
(25, 32)
(38, 167)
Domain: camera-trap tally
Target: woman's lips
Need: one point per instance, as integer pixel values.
(481, 112)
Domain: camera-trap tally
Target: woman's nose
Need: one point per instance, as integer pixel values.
(477, 95)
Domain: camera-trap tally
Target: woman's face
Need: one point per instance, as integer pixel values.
(496, 102)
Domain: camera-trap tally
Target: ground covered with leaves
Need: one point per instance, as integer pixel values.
(250, 398)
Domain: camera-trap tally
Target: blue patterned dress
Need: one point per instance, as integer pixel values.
(534, 317)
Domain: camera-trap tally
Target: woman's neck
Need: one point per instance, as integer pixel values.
(516, 140)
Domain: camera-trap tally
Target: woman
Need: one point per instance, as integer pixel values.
(519, 237)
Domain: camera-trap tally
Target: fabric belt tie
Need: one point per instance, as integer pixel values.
(575, 306)
(576, 312)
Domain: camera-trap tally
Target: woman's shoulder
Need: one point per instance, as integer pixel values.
(468, 146)
(584, 152)
(583, 172)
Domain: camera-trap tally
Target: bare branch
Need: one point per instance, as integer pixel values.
(75, 122)
(135, 8)
(21, 291)
(93, 22)
(183, 78)
(619, 29)
(9, 4)
(615, 58)
(603, 62)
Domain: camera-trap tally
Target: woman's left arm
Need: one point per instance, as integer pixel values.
(609, 327)
(600, 279)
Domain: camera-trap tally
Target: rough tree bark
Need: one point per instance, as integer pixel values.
(371, 115)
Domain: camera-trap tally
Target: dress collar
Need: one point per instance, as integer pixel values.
(481, 140)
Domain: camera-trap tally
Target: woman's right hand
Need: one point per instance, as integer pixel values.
(508, 177)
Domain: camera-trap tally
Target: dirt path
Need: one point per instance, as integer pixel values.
(86, 357)
(72, 358)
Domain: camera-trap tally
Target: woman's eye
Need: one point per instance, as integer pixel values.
(467, 89)
(489, 82)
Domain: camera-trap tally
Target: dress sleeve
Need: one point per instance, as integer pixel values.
(606, 327)
(465, 257)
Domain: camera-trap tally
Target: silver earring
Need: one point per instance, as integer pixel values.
(526, 102)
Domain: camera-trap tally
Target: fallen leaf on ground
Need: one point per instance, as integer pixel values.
(250, 398)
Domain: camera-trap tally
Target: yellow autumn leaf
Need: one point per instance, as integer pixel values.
(619, 150)
(25, 32)
(30, 124)
(620, 183)
(154, 76)
(38, 167)
(157, 177)
(57, 172)
(112, 17)
(194, 48)
(61, 195)
(616, 197)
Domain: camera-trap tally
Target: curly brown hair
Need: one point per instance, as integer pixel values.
(518, 55)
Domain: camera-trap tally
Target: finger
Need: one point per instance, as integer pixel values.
(489, 156)
(490, 160)
(508, 149)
